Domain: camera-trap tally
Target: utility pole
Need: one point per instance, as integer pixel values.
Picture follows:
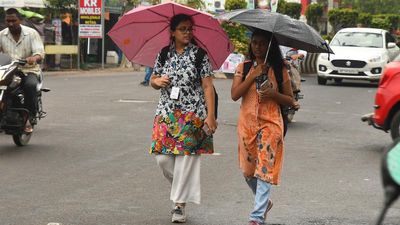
(330, 7)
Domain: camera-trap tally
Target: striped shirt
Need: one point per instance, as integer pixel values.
(29, 44)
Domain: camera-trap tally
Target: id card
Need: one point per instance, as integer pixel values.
(174, 93)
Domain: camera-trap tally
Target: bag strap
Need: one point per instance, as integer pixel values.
(163, 55)
(199, 56)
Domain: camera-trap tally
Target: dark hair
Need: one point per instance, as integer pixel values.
(12, 11)
(177, 19)
(274, 56)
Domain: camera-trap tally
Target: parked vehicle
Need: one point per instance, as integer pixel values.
(360, 54)
(13, 114)
(387, 101)
(294, 73)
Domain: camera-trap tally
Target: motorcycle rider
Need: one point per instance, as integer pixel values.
(22, 42)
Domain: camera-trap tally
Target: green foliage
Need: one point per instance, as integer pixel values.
(196, 4)
(341, 18)
(291, 9)
(281, 6)
(365, 19)
(392, 19)
(237, 34)
(62, 4)
(327, 37)
(372, 6)
(314, 13)
(235, 4)
(381, 23)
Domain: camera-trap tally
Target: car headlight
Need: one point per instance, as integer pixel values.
(375, 59)
(324, 56)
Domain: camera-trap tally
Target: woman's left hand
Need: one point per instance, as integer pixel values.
(211, 123)
(267, 93)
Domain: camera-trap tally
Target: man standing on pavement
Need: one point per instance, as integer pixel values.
(22, 42)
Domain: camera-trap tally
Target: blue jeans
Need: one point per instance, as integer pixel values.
(148, 71)
(261, 190)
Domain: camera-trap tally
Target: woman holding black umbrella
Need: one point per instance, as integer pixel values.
(263, 90)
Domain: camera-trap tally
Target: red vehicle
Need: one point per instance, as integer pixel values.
(387, 101)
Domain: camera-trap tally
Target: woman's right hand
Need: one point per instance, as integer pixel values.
(258, 70)
(162, 81)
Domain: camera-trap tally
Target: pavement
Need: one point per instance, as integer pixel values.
(110, 69)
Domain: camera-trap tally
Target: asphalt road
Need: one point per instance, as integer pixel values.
(88, 161)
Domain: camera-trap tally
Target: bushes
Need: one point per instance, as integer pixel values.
(314, 13)
(236, 32)
(291, 9)
(235, 4)
(341, 18)
(365, 19)
(381, 23)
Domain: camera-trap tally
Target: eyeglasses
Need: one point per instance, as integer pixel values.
(185, 29)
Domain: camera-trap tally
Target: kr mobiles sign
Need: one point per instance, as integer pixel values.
(90, 7)
(90, 19)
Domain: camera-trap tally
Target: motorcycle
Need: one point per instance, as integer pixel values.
(294, 73)
(13, 114)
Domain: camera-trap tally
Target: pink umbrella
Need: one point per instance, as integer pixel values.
(142, 32)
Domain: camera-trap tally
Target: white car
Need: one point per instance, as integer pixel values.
(360, 54)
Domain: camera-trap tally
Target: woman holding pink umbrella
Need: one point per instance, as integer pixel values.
(185, 117)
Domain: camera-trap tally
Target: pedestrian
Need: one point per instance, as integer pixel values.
(293, 55)
(260, 125)
(148, 71)
(185, 117)
(22, 42)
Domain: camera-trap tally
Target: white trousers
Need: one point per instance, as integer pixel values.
(183, 172)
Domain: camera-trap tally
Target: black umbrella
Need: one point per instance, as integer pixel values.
(287, 31)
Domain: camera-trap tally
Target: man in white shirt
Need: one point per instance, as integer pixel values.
(294, 54)
(21, 42)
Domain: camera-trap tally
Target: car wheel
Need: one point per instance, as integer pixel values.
(395, 125)
(322, 81)
(338, 80)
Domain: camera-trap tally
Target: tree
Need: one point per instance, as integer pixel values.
(341, 18)
(314, 13)
(370, 6)
(236, 32)
(235, 4)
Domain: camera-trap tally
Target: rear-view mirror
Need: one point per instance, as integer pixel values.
(391, 45)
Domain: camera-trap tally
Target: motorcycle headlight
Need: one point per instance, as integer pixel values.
(15, 82)
(6, 77)
(375, 59)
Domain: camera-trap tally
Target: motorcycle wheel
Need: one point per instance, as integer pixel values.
(22, 139)
(290, 117)
(395, 126)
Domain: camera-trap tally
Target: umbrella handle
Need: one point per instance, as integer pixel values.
(266, 55)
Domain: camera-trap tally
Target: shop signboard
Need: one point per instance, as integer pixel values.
(90, 19)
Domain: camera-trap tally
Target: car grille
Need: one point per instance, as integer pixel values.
(349, 63)
(357, 74)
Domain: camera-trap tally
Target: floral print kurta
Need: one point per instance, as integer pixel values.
(177, 127)
(260, 133)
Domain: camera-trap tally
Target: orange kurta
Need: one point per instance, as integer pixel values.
(260, 133)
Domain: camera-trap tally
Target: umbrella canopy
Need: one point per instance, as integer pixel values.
(142, 32)
(287, 31)
(22, 3)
